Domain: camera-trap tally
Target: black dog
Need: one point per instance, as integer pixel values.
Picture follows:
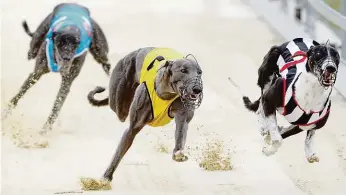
(60, 44)
(296, 79)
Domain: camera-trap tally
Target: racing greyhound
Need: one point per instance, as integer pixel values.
(296, 79)
(153, 86)
(60, 44)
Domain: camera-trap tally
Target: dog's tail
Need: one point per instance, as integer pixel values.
(26, 28)
(252, 106)
(96, 102)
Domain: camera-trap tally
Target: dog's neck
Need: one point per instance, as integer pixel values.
(309, 93)
(163, 87)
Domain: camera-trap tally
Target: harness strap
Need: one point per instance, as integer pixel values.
(295, 62)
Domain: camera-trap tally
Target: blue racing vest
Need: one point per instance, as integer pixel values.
(69, 15)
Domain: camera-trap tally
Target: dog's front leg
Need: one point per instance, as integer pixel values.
(59, 101)
(124, 145)
(310, 155)
(140, 115)
(28, 83)
(182, 119)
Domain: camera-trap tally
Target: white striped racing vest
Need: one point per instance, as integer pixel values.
(290, 70)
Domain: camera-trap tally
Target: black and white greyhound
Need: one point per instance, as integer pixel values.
(296, 79)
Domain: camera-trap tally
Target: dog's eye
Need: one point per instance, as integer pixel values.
(318, 56)
(183, 70)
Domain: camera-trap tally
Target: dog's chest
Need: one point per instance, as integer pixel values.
(305, 101)
(309, 93)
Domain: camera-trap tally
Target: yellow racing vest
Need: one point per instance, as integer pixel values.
(159, 107)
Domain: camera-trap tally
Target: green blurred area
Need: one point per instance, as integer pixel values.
(334, 4)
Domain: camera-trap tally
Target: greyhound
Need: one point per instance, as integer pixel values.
(60, 44)
(146, 84)
(296, 79)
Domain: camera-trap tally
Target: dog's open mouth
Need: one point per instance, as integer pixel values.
(192, 100)
(328, 79)
(193, 97)
(191, 92)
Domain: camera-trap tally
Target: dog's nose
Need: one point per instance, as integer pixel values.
(66, 58)
(331, 69)
(196, 90)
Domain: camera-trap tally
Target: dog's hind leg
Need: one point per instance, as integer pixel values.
(285, 132)
(270, 132)
(140, 114)
(271, 100)
(122, 87)
(289, 131)
(267, 129)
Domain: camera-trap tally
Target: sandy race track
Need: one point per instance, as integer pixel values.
(228, 40)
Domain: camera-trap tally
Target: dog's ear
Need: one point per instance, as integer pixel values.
(310, 52)
(168, 66)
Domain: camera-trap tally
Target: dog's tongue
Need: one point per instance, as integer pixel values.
(327, 75)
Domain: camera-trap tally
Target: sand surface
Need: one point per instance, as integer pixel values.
(228, 40)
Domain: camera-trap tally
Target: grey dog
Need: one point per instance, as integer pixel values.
(173, 80)
(60, 44)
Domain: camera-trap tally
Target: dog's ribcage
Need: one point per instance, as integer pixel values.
(305, 101)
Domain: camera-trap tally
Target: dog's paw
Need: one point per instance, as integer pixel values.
(268, 150)
(313, 158)
(276, 143)
(179, 156)
(90, 184)
(45, 129)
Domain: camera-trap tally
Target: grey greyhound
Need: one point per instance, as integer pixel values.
(153, 86)
(60, 44)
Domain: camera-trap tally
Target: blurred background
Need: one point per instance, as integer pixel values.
(321, 20)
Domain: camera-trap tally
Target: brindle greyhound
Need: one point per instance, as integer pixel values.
(146, 84)
(60, 44)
